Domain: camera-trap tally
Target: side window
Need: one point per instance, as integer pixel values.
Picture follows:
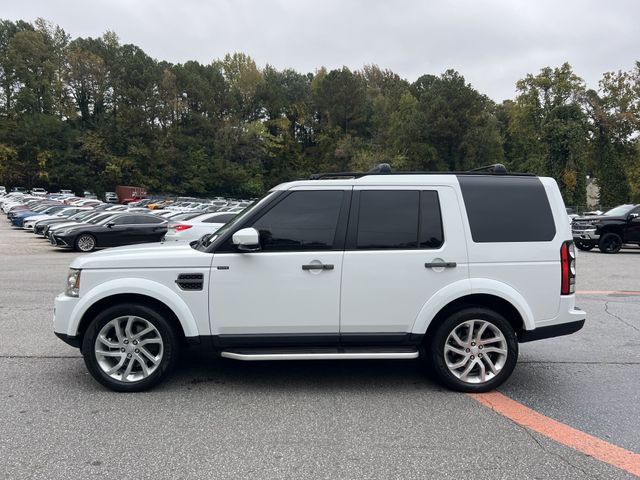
(220, 218)
(123, 220)
(304, 220)
(145, 220)
(507, 209)
(431, 234)
(388, 219)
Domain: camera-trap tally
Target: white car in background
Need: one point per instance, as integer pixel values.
(39, 192)
(193, 229)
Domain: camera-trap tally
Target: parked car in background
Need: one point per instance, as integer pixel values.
(19, 190)
(92, 218)
(42, 227)
(609, 231)
(111, 197)
(157, 205)
(18, 216)
(3, 190)
(122, 229)
(64, 212)
(196, 227)
(91, 195)
(39, 192)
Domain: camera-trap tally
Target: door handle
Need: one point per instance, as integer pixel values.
(317, 266)
(440, 265)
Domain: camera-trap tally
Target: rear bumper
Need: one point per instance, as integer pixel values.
(551, 331)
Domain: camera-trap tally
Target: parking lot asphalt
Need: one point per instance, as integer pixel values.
(218, 418)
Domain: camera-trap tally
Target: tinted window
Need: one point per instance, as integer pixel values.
(431, 235)
(507, 209)
(388, 219)
(302, 221)
(128, 220)
(220, 218)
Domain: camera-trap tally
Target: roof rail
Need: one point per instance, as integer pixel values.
(385, 169)
(495, 168)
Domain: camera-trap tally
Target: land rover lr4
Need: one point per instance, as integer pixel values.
(452, 269)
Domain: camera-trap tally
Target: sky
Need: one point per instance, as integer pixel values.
(493, 43)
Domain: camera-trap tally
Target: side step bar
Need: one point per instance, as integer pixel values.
(246, 356)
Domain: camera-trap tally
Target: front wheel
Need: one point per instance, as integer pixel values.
(129, 348)
(610, 243)
(474, 350)
(85, 243)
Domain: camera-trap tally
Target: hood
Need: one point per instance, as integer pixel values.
(598, 218)
(146, 255)
(67, 224)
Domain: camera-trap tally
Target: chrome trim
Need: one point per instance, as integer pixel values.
(320, 356)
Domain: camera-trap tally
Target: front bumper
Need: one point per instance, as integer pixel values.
(59, 241)
(62, 315)
(586, 235)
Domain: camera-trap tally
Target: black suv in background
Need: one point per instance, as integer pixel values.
(609, 231)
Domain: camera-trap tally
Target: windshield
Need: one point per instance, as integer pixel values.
(619, 211)
(208, 241)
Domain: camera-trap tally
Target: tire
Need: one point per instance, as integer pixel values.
(610, 243)
(123, 354)
(586, 247)
(473, 355)
(85, 242)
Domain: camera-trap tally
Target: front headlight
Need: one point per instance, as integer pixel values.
(73, 283)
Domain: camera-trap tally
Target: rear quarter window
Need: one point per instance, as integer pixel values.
(507, 209)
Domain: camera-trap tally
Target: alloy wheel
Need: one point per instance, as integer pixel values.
(612, 245)
(129, 348)
(475, 351)
(86, 243)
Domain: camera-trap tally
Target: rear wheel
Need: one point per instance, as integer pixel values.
(584, 246)
(85, 243)
(129, 348)
(474, 350)
(610, 243)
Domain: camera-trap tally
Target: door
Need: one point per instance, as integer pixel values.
(288, 293)
(403, 245)
(148, 229)
(120, 233)
(632, 228)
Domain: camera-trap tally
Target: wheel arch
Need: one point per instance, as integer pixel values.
(484, 293)
(136, 298)
(617, 229)
(142, 291)
(482, 300)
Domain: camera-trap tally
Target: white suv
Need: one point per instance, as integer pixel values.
(453, 269)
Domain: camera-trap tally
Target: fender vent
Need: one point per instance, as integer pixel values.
(190, 281)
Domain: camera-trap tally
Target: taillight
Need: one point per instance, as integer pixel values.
(181, 227)
(568, 266)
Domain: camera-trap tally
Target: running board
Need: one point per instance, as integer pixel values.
(248, 357)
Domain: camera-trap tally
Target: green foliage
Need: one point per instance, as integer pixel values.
(90, 113)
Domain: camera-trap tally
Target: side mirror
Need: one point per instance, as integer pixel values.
(110, 224)
(633, 216)
(247, 240)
